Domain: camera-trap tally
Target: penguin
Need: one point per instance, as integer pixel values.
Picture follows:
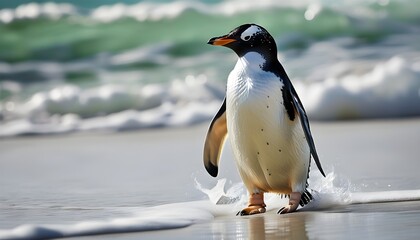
(267, 124)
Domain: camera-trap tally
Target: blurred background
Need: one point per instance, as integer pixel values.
(77, 66)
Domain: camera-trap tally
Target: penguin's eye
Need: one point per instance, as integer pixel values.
(246, 38)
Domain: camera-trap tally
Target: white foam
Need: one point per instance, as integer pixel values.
(155, 218)
(390, 89)
(385, 196)
(36, 10)
(115, 107)
(217, 194)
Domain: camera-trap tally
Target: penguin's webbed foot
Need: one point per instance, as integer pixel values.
(250, 210)
(293, 203)
(255, 205)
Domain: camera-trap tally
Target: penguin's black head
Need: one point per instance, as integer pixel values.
(248, 38)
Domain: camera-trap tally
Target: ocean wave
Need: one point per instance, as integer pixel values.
(113, 108)
(388, 89)
(147, 11)
(391, 89)
(150, 11)
(142, 11)
(63, 32)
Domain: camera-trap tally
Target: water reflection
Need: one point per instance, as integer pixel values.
(259, 227)
(356, 221)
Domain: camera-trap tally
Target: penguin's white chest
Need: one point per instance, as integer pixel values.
(270, 150)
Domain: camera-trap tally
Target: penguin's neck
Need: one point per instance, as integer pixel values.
(251, 62)
(249, 75)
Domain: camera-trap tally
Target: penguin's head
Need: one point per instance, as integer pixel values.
(248, 38)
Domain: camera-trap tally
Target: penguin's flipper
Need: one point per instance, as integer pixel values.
(215, 138)
(305, 125)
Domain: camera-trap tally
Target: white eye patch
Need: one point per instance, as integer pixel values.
(251, 31)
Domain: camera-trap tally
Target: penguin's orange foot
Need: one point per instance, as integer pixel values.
(293, 203)
(255, 205)
(251, 210)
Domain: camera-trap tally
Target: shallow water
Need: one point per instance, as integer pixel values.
(100, 175)
(371, 221)
(119, 183)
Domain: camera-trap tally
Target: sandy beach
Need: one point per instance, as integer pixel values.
(67, 179)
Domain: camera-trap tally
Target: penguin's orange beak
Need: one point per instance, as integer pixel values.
(221, 41)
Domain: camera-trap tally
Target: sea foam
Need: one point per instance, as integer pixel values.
(390, 89)
(37, 10)
(109, 107)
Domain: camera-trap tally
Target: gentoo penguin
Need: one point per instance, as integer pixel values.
(267, 124)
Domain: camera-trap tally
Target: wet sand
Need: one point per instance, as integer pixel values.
(71, 178)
